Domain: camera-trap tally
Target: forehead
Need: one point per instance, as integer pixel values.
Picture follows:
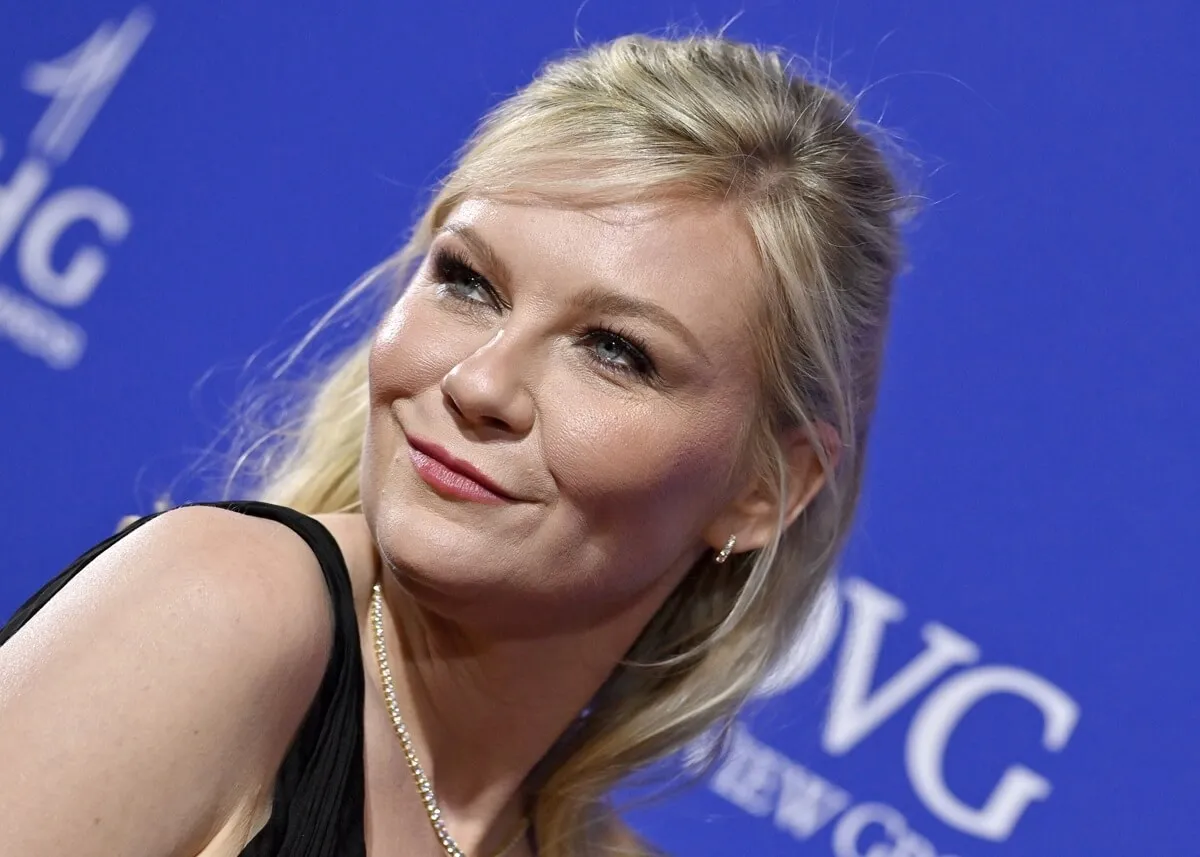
(696, 260)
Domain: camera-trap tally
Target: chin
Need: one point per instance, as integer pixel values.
(431, 554)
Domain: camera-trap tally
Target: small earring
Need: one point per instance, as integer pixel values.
(727, 550)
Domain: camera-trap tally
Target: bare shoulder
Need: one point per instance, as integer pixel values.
(150, 702)
(254, 579)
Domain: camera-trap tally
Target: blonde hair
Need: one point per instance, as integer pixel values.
(695, 118)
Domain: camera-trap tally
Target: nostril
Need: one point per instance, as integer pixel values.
(452, 405)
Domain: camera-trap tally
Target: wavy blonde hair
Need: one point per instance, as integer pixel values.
(697, 118)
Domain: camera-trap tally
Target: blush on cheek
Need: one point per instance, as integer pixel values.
(406, 355)
(667, 466)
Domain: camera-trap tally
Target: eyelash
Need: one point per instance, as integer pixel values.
(451, 269)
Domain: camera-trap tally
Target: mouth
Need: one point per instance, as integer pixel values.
(452, 477)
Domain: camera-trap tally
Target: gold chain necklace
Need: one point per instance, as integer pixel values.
(428, 798)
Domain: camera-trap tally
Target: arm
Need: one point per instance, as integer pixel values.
(153, 699)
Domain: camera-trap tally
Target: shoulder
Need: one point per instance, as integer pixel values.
(349, 531)
(234, 602)
(246, 581)
(180, 662)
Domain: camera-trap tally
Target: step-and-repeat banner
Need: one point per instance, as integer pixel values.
(1007, 662)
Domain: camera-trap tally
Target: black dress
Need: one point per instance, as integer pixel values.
(318, 800)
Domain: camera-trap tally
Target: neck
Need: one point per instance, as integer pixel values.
(484, 709)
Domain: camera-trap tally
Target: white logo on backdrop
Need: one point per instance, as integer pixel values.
(34, 219)
(765, 783)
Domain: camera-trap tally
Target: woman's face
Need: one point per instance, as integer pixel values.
(593, 372)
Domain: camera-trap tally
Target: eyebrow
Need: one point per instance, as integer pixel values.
(594, 298)
(480, 249)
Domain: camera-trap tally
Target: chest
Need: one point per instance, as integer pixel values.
(395, 821)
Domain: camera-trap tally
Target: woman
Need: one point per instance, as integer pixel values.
(572, 496)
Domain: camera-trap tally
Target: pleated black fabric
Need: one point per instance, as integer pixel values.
(318, 802)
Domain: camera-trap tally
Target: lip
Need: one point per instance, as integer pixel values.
(453, 476)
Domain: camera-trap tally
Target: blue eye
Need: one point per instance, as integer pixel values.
(461, 281)
(619, 351)
(612, 350)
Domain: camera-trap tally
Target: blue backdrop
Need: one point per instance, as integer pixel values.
(1008, 663)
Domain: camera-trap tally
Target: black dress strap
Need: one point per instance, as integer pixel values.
(317, 810)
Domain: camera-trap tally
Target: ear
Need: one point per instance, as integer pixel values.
(753, 515)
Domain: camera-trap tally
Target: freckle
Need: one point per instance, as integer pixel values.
(96, 821)
(195, 731)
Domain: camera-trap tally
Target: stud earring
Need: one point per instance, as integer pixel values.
(727, 550)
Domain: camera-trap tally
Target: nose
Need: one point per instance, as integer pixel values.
(487, 389)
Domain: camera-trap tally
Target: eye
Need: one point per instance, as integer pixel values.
(460, 281)
(619, 351)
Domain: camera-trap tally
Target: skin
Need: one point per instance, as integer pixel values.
(502, 619)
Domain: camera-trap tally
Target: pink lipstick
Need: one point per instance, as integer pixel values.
(451, 477)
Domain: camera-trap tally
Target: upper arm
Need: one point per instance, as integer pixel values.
(159, 690)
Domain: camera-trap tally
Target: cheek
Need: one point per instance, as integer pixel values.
(651, 462)
(410, 352)
(401, 363)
